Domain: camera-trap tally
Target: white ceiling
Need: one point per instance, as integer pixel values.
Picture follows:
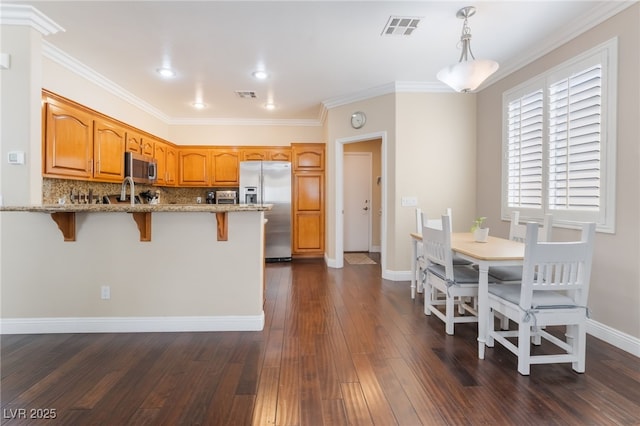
(318, 54)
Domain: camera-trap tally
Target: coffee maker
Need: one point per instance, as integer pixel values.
(211, 197)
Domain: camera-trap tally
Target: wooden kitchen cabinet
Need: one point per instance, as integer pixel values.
(166, 161)
(68, 140)
(308, 199)
(134, 142)
(307, 156)
(194, 167)
(225, 167)
(171, 178)
(109, 140)
(266, 154)
(147, 146)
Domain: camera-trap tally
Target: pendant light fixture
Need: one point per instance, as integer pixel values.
(469, 72)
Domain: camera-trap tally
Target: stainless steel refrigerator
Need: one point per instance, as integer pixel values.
(269, 182)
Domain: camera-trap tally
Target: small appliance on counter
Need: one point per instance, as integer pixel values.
(211, 197)
(151, 197)
(226, 197)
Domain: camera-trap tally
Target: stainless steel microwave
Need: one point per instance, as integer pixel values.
(140, 168)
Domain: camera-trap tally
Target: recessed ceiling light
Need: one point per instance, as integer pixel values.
(166, 72)
(260, 74)
(270, 106)
(199, 105)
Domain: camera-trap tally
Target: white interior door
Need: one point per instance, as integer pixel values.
(357, 201)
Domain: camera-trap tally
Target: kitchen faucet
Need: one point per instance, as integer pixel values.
(123, 191)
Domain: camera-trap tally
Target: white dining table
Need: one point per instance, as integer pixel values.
(494, 252)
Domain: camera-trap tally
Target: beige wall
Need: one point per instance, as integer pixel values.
(244, 135)
(380, 113)
(183, 271)
(615, 286)
(429, 137)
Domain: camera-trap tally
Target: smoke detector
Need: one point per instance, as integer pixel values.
(401, 25)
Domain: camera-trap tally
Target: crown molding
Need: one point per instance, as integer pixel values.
(242, 122)
(578, 26)
(385, 89)
(51, 52)
(17, 14)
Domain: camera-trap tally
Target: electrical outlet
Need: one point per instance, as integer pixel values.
(105, 292)
(409, 201)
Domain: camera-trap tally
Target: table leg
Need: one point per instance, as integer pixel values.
(483, 307)
(414, 256)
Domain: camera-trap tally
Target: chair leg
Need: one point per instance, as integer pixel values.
(504, 322)
(536, 337)
(576, 336)
(428, 295)
(524, 348)
(450, 306)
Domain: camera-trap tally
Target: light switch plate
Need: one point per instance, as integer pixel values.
(409, 201)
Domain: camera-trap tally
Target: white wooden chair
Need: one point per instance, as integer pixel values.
(554, 291)
(447, 284)
(419, 258)
(518, 232)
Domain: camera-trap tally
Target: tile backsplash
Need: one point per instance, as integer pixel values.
(54, 190)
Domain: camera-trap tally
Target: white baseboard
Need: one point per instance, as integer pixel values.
(331, 262)
(396, 275)
(130, 324)
(614, 337)
(375, 249)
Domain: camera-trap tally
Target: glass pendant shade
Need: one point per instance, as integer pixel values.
(466, 76)
(469, 72)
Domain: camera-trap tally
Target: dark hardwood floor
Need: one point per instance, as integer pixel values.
(340, 346)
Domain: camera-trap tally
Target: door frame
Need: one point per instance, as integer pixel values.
(369, 194)
(339, 195)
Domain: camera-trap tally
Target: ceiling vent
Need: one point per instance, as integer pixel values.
(401, 25)
(246, 94)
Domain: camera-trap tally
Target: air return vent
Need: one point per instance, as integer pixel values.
(401, 25)
(246, 94)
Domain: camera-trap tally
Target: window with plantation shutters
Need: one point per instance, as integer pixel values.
(525, 118)
(559, 142)
(575, 117)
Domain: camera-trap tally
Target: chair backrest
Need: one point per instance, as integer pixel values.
(518, 231)
(435, 223)
(557, 266)
(436, 243)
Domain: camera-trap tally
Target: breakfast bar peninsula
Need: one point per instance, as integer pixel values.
(73, 268)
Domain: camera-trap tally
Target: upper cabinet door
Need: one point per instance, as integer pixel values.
(160, 155)
(109, 141)
(194, 167)
(254, 154)
(68, 141)
(282, 154)
(134, 142)
(225, 167)
(308, 156)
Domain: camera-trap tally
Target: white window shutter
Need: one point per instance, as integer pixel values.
(524, 151)
(574, 141)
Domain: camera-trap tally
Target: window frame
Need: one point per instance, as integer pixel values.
(606, 55)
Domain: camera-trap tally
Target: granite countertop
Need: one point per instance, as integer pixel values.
(138, 208)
